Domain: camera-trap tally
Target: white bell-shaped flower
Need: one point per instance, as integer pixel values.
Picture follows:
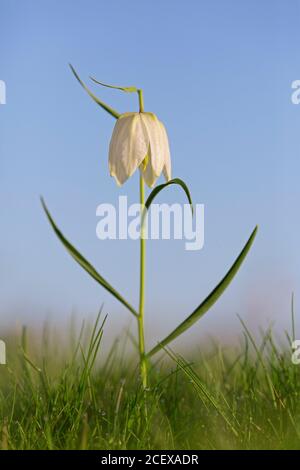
(139, 140)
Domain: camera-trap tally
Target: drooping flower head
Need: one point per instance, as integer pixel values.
(139, 140)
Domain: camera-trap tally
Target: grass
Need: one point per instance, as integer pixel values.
(75, 397)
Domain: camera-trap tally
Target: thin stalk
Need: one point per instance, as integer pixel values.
(143, 363)
(141, 100)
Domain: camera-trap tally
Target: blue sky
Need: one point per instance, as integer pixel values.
(218, 74)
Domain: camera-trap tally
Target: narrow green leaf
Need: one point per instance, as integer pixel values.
(103, 105)
(127, 89)
(209, 301)
(85, 264)
(160, 187)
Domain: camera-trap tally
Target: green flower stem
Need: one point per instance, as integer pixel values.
(143, 363)
(141, 100)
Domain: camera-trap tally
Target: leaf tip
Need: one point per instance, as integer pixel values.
(254, 231)
(76, 75)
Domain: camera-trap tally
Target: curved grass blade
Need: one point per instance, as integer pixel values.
(85, 264)
(204, 393)
(210, 299)
(103, 105)
(160, 187)
(127, 89)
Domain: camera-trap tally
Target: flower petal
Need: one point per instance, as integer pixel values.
(167, 171)
(128, 146)
(156, 140)
(148, 173)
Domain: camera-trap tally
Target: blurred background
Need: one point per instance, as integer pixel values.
(218, 74)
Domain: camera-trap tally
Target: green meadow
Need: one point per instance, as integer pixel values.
(74, 395)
